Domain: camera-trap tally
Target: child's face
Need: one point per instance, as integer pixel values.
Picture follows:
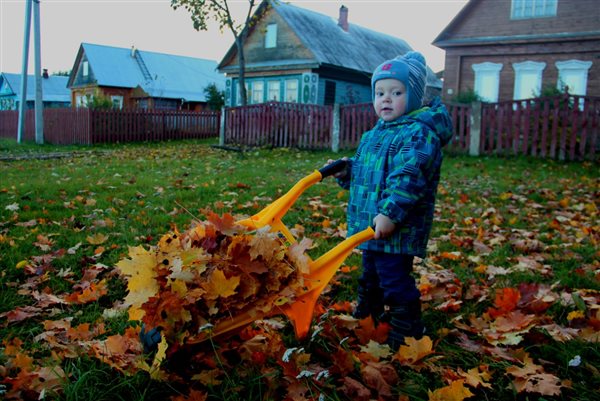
(390, 99)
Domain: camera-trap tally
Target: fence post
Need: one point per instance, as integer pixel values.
(335, 128)
(475, 133)
(222, 128)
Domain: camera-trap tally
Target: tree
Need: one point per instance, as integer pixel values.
(203, 10)
(214, 97)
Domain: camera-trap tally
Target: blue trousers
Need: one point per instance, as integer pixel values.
(389, 276)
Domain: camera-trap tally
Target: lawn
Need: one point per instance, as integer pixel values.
(510, 287)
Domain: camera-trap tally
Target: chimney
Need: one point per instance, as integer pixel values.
(132, 51)
(343, 19)
(45, 73)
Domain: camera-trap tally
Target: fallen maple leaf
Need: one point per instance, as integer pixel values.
(414, 350)
(456, 391)
(220, 286)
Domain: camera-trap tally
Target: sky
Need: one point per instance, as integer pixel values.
(152, 25)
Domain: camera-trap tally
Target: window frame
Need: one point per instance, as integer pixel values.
(528, 67)
(287, 91)
(529, 9)
(271, 36)
(582, 67)
(485, 70)
(271, 86)
(258, 95)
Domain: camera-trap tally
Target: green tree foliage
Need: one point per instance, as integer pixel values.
(214, 97)
(220, 11)
(467, 97)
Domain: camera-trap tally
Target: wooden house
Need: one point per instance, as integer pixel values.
(516, 49)
(55, 93)
(298, 55)
(137, 79)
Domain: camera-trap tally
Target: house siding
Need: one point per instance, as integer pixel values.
(493, 18)
(485, 32)
(289, 46)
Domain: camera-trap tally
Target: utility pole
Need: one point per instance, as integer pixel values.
(23, 102)
(39, 106)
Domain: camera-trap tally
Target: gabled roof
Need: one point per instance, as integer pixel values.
(54, 88)
(160, 75)
(358, 49)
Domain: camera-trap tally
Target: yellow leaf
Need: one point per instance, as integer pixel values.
(456, 391)
(576, 314)
(97, 239)
(21, 264)
(220, 286)
(141, 283)
(414, 350)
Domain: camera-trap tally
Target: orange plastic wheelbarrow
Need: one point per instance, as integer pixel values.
(321, 270)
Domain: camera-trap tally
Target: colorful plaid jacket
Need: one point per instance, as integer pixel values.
(396, 171)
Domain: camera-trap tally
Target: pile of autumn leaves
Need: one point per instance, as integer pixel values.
(191, 282)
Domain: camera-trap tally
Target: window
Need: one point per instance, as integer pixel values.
(528, 79)
(273, 91)
(238, 97)
(521, 9)
(86, 67)
(573, 74)
(81, 100)
(258, 90)
(271, 36)
(117, 101)
(487, 80)
(291, 90)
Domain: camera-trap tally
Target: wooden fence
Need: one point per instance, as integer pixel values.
(563, 127)
(277, 124)
(87, 126)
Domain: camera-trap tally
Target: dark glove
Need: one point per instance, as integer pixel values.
(150, 339)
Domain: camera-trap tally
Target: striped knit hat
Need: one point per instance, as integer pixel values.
(410, 69)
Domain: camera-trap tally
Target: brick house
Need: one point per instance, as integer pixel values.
(137, 79)
(512, 49)
(297, 55)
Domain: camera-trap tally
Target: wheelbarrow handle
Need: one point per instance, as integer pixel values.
(333, 168)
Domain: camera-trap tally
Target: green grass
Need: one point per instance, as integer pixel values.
(134, 193)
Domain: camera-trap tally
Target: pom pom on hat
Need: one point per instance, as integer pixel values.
(411, 70)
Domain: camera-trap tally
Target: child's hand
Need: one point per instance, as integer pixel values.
(342, 173)
(384, 226)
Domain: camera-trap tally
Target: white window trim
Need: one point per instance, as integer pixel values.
(271, 36)
(118, 99)
(487, 68)
(582, 67)
(528, 67)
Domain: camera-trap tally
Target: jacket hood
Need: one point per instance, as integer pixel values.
(434, 115)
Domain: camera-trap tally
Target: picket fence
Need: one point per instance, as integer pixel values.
(564, 127)
(88, 126)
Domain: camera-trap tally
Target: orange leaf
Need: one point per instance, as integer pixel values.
(506, 301)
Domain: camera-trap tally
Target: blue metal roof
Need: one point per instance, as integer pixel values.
(160, 75)
(54, 88)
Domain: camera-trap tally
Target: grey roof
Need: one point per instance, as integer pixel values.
(54, 88)
(160, 75)
(360, 49)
